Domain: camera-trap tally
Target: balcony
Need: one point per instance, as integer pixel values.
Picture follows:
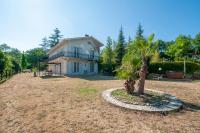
(74, 55)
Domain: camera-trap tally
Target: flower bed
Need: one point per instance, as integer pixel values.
(149, 98)
(154, 101)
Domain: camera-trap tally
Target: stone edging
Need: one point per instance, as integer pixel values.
(175, 103)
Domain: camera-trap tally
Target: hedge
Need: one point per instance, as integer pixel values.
(178, 66)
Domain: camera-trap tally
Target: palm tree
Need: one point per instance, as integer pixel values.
(146, 48)
(128, 69)
(135, 60)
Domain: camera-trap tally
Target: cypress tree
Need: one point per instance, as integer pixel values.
(120, 48)
(139, 32)
(45, 43)
(55, 37)
(23, 62)
(109, 55)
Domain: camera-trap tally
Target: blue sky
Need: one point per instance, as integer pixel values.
(23, 23)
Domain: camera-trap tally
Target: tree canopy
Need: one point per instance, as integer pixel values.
(2, 61)
(55, 37)
(108, 57)
(34, 56)
(180, 48)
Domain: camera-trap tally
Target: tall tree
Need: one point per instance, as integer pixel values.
(120, 48)
(107, 57)
(13, 56)
(23, 62)
(34, 56)
(45, 43)
(147, 48)
(8, 64)
(139, 32)
(114, 43)
(136, 59)
(129, 40)
(181, 48)
(129, 68)
(55, 37)
(4, 47)
(2, 62)
(196, 44)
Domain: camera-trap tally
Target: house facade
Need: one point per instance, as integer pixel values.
(75, 56)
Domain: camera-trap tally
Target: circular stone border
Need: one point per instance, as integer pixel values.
(173, 105)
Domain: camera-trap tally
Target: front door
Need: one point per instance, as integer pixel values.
(85, 70)
(58, 68)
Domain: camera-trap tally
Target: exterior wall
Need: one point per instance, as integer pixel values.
(67, 64)
(67, 68)
(55, 68)
(84, 68)
(85, 47)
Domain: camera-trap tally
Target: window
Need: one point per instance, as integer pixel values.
(76, 67)
(76, 51)
(91, 54)
(91, 67)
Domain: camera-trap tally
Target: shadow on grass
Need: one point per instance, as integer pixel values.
(5, 79)
(191, 106)
(93, 77)
(2, 81)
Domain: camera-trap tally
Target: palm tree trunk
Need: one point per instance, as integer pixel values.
(129, 86)
(142, 75)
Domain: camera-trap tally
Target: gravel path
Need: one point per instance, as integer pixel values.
(56, 105)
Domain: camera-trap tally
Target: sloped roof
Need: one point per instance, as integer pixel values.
(63, 41)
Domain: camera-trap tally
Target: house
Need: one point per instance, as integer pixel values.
(75, 56)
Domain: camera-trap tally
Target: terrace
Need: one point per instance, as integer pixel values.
(69, 54)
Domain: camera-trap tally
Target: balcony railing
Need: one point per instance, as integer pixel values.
(74, 55)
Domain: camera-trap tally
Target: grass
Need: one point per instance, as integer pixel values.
(149, 98)
(196, 81)
(75, 105)
(87, 91)
(122, 95)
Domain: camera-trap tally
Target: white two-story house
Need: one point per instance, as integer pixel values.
(75, 56)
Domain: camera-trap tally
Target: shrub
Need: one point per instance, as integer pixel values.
(196, 75)
(178, 66)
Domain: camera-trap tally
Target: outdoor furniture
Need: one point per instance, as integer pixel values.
(48, 73)
(157, 76)
(175, 75)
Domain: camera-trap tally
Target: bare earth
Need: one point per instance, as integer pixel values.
(57, 105)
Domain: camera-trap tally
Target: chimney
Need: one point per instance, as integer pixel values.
(86, 35)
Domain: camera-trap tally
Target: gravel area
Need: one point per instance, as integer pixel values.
(72, 104)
